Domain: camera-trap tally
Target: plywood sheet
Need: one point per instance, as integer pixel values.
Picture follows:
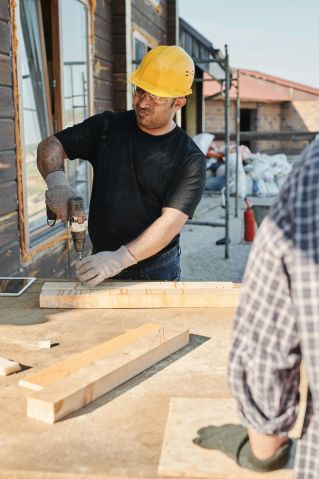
(181, 457)
(118, 294)
(85, 384)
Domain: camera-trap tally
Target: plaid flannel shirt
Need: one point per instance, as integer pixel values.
(277, 320)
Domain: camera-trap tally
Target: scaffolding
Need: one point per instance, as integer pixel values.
(225, 90)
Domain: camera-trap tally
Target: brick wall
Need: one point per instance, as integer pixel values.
(302, 114)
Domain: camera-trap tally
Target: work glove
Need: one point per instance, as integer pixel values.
(58, 193)
(99, 266)
(233, 440)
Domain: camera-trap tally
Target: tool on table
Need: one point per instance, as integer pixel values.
(77, 224)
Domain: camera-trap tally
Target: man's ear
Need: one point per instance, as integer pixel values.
(179, 103)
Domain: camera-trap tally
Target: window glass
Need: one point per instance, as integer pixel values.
(35, 117)
(140, 50)
(74, 36)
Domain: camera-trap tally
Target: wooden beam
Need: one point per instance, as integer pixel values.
(124, 357)
(116, 294)
(52, 374)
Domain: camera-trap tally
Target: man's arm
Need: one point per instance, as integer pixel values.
(158, 235)
(50, 161)
(50, 156)
(264, 362)
(107, 264)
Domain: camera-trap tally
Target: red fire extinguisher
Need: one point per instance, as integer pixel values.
(249, 222)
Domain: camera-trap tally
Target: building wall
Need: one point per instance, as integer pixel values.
(150, 20)
(269, 119)
(301, 114)
(215, 116)
(9, 233)
(103, 55)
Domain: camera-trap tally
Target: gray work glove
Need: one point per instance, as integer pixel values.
(233, 440)
(99, 266)
(58, 193)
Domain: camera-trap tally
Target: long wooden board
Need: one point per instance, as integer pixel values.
(116, 294)
(69, 390)
(63, 369)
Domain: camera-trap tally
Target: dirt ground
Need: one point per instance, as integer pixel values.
(202, 259)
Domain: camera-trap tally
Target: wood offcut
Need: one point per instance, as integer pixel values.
(117, 294)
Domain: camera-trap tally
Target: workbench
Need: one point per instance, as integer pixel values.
(121, 433)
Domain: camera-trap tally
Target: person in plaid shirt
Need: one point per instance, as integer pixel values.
(277, 323)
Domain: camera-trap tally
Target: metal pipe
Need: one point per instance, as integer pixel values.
(205, 223)
(237, 143)
(227, 139)
(221, 61)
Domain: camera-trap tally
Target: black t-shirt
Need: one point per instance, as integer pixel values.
(135, 175)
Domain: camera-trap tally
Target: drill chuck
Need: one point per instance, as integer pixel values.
(77, 222)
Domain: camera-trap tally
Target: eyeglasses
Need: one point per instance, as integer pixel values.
(139, 92)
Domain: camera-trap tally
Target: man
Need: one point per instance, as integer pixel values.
(148, 174)
(277, 325)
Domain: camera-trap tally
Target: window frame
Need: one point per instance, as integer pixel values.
(44, 237)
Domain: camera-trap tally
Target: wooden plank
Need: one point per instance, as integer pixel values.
(6, 102)
(8, 197)
(5, 72)
(10, 259)
(103, 49)
(117, 294)
(181, 457)
(4, 9)
(121, 362)
(5, 43)
(102, 90)
(102, 70)
(9, 229)
(44, 378)
(103, 28)
(102, 105)
(104, 8)
(7, 138)
(8, 169)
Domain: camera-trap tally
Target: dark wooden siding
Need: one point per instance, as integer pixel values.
(103, 56)
(151, 19)
(119, 55)
(9, 234)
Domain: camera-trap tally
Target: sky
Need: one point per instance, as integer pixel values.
(278, 37)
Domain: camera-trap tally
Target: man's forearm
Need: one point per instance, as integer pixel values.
(50, 156)
(265, 446)
(158, 235)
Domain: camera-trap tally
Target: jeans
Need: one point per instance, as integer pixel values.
(215, 183)
(165, 267)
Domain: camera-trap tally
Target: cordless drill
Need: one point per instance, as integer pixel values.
(77, 222)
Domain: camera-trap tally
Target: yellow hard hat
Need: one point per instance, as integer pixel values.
(165, 71)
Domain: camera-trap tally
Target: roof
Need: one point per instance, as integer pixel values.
(200, 48)
(261, 87)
